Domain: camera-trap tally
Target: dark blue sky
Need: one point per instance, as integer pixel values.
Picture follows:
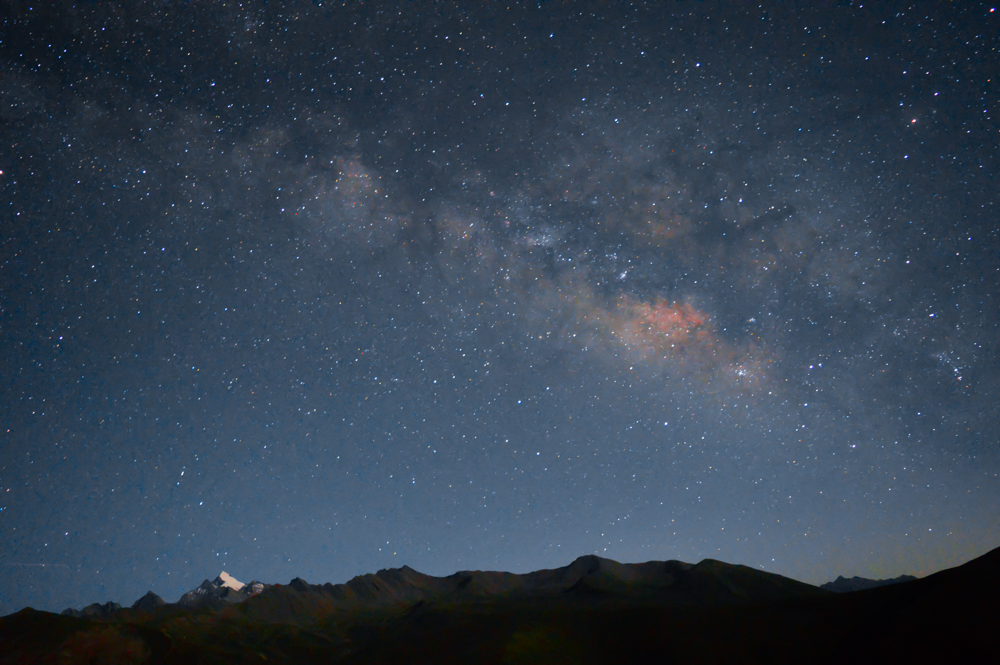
(296, 290)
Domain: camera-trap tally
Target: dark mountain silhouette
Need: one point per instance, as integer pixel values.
(588, 580)
(95, 611)
(592, 611)
(148, 603)
(845, 585)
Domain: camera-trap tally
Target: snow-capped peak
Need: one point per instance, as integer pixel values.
(228, 580)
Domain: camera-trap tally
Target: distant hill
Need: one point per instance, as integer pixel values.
(592, 611)
(845, 585)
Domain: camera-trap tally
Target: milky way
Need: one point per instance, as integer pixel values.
(307, 291)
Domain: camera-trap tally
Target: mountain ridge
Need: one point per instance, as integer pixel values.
(593, 610)
(848, 584)
(588, 576)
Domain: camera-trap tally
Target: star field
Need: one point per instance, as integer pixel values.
(313, 290)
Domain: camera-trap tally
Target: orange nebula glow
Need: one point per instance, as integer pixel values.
(663, 326)
(680, 338)
(677, 323)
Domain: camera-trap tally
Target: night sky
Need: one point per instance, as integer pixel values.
(294, 289)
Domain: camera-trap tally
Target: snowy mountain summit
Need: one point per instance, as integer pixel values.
(225, 579)
(225, 589)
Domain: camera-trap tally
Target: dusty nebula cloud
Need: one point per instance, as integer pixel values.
(313, 291)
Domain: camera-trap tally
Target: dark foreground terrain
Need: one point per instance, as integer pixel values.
(592, 611)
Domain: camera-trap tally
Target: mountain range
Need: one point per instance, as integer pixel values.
(845, 584)
(594, 610)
